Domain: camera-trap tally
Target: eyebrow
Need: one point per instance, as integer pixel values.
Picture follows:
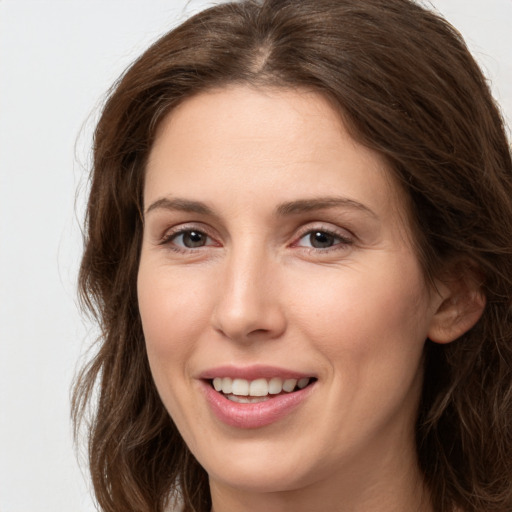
(321, 203)
(283, 210)
(183, 205)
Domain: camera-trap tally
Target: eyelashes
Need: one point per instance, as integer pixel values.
(186, 239)
(322, 239)
(190, 239)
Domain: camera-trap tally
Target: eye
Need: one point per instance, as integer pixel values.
(189, 239)
(321, 239)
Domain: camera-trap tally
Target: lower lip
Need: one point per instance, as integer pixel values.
(254, 415)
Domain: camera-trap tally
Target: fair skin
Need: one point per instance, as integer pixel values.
(273, 242)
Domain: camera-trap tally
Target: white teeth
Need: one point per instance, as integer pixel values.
(302, 383)
(240, 387)
(258, 387)
(289, 385)
(248, 399)
(227, 385)
(217, 384)
(275, 386)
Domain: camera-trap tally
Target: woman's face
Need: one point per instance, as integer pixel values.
(276, 253)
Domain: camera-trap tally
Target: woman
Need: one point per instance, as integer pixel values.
(299, 250)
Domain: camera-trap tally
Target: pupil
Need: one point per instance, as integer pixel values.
(321, 240)
(194, 239)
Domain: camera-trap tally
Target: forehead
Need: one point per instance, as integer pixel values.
(240, 143)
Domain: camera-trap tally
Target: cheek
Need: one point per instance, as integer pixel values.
(172, 313)
(369, 320)
(370, 330)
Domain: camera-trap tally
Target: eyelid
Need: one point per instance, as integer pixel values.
(174, 231)
(345, 236)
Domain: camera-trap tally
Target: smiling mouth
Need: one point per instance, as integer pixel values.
(258, 390)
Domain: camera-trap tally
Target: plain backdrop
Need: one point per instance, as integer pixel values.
(57, 60)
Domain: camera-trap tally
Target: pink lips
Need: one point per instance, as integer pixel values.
(252, 415)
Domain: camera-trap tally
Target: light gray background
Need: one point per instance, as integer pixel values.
(57, 59)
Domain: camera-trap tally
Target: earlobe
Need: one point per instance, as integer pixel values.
(461, 304)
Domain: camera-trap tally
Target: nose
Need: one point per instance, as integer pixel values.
(248, 306)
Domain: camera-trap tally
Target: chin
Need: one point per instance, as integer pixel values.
(261, 469)
(267, 479)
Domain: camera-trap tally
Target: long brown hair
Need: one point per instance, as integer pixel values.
(407, 87)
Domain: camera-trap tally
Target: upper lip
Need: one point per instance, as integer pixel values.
(252, 372)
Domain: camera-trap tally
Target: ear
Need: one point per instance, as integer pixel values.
(461, 302)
